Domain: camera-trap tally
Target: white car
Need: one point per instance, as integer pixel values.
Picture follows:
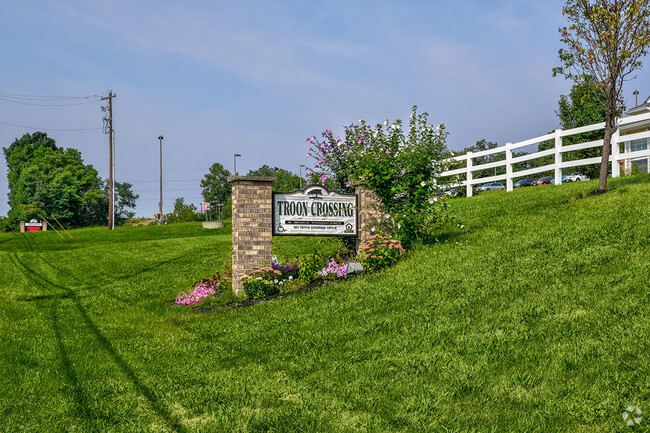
(575, 177)
(491, 187)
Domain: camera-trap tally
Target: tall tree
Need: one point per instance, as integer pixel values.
(46, 179)
(216, 187)
(583, 106)
(605, 40)
(285, 180)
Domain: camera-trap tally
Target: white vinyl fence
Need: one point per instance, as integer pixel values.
(615, 157)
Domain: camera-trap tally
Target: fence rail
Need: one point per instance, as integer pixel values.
(615, 157)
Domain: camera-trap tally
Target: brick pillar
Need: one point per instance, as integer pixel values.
(251, 225)
(370, 212)
(44, 226)
(22, 227)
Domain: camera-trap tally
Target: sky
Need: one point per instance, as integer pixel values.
(257, 78)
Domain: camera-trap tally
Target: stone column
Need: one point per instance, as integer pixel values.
(22, 227)
(44, 225)
(370, 212)
(252, 245)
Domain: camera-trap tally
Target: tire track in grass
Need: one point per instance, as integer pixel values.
(78, 393)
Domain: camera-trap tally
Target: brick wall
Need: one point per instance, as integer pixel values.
(370, 211)
(251, 225)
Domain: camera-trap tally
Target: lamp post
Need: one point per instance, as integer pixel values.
(160, 138)
(636, 98)
(234, 159)
(301, 166)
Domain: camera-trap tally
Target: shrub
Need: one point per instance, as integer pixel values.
(401, 168)
(261, 282)
(380, 252)
(207, 287)
(287, 269)
(308, 268)
(337, 265)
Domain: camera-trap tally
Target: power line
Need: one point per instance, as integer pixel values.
(48, 97)
(48, 129)
(45, 105)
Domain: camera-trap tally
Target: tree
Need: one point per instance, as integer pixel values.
(605, 40)
(285, 180)
(183, 212)
(216, 187)
(45, 179)
(581, 107)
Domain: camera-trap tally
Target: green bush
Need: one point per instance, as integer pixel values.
(309, 267)
(379, 252)
(261, 282)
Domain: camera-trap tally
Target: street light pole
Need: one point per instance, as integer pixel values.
(160, 138)
(235, 163)
(301, 166)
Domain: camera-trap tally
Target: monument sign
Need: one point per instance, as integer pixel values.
(314, 211)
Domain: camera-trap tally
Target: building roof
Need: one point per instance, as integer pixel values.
(639, 109)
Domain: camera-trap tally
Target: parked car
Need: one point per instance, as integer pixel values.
(524, 182)
(575, 177)
(545, 180)
(493, 186)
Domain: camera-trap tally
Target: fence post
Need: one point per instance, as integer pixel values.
(616, 151)
(509, 168)
(469, 174)
(558, 157)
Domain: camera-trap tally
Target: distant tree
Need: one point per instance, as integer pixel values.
(216, 187)
(583, 106)
(605, 40)
(286, 180)
(183, 212)
(97, 206)
(45, 179)
(482, 145)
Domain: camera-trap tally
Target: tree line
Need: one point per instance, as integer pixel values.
(47, 180)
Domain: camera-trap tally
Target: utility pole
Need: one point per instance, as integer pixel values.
(111, 186)
(160, 137)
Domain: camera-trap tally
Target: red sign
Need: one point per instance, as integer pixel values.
(206, 206)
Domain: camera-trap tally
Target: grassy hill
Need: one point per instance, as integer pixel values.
(535, 317)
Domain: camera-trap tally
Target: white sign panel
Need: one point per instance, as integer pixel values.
(314, 211)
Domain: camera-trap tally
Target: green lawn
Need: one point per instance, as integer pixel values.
(536, 317)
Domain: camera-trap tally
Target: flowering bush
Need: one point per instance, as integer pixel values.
(401, 169)
(336, 266)
(287, 269)
(260, 282)
(206, 287)
(379, 252)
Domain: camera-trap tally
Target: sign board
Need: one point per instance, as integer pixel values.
(206, 206)
(33, 226)
(314, 211)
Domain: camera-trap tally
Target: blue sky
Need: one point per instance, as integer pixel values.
(259, 77)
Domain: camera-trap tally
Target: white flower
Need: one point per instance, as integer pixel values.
(290, 277)
(423, 183)
(275, 281)
(387, 216)
(435, 182)
(372, 229)
(432, 200)
(360, 120)
(376, 134)
(394, 126)
(439, 127)
(386, 122)
(399, 226)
